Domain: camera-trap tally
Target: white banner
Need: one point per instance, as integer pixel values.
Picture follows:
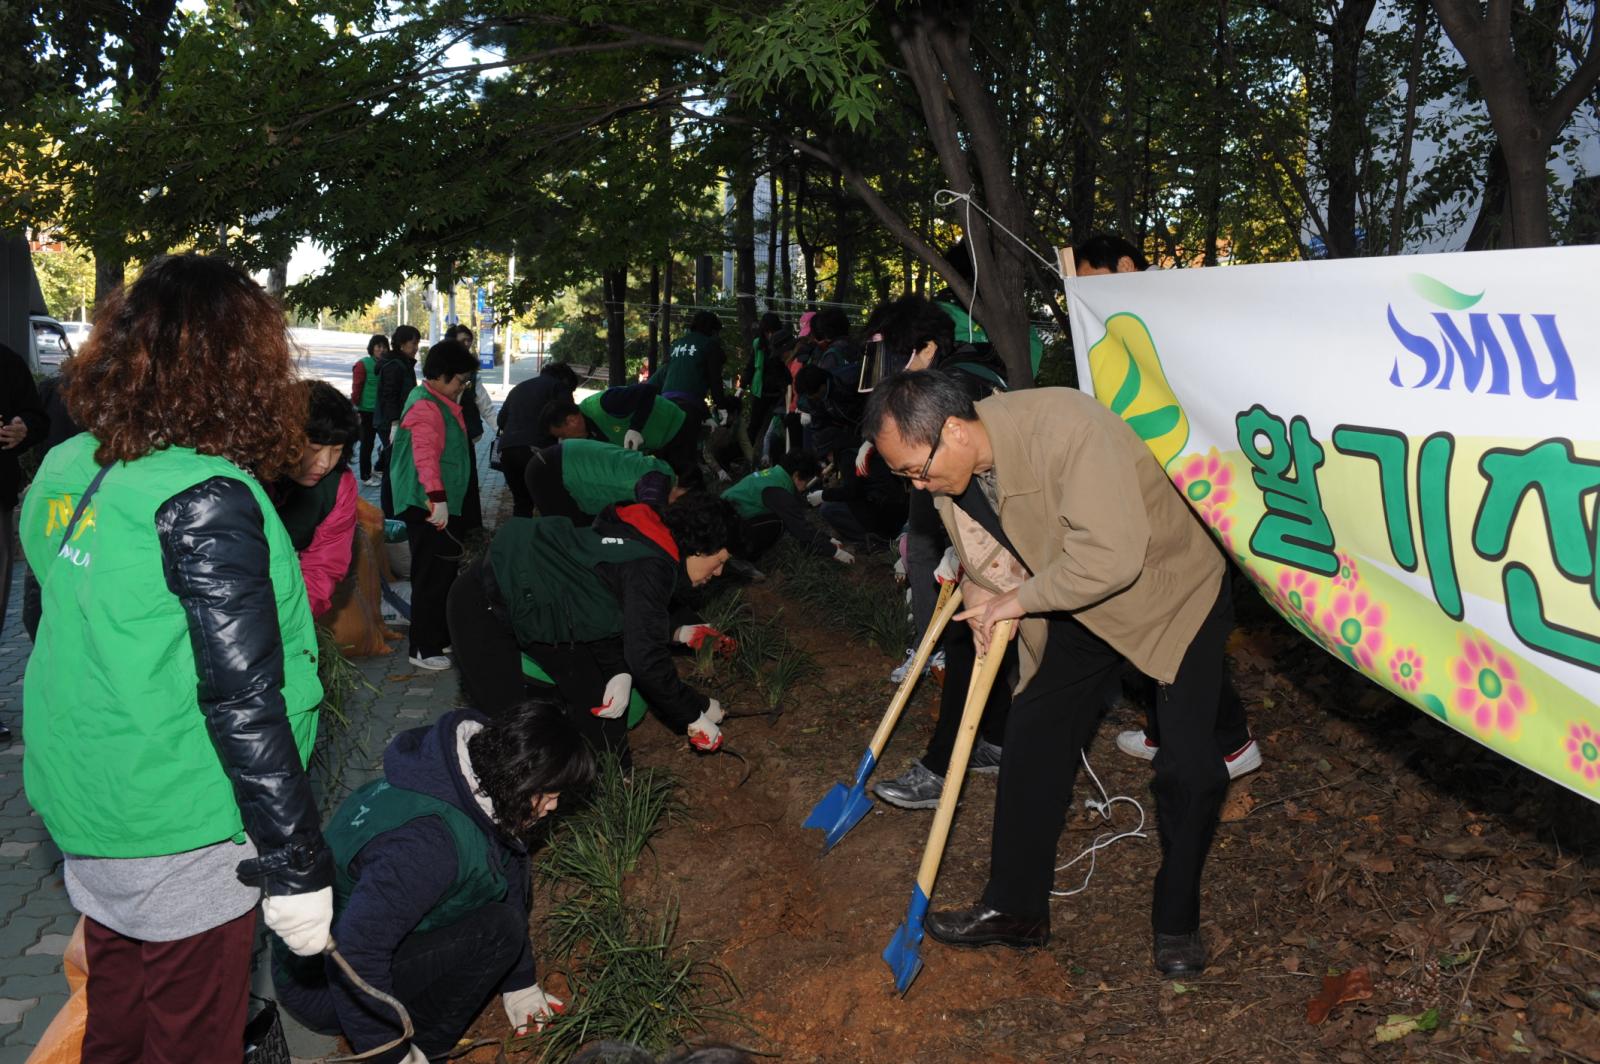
(1403, 453)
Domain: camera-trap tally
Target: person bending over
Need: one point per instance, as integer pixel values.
(769, 504)
(577, 479)
(521, 431)
(592, 608)
(431, 894)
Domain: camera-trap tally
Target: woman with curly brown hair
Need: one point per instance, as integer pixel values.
(170, 702)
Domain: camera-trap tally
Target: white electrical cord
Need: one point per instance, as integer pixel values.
(1103, 807)
(946, 196)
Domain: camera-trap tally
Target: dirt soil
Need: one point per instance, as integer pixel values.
(1374, 838)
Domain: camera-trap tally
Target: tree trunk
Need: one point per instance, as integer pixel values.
(808, 250)
(655, 313)
(110, 260)
(788, 269)
(659, 355)
(616, 294)
(1214, 142)
(1346, 125)
(1527, 116)
(772, 228)
(744, 262)
(1397, 216)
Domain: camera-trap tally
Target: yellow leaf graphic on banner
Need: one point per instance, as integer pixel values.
(1125, 366)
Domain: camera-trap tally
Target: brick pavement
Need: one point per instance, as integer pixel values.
(36, 918)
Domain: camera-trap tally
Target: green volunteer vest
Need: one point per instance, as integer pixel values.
(532, 670)
(686, 369)
(118, 760)
(378, 807)
(666, 418)
(455, 465)
(745, 495)
(598, 474)
(369, 389)
(544, 567)
(970, 332)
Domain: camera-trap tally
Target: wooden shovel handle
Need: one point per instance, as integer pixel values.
(949, 603)
(984, 671)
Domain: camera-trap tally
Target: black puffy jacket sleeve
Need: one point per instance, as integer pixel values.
(216, 560)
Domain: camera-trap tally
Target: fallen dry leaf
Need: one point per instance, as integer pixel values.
(1354, 985)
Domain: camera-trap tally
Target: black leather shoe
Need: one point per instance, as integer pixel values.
(1180, 954)
(983, 926)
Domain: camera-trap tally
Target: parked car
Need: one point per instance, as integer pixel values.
(77, 332)
(50, 343)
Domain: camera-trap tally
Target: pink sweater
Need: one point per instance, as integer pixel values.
(426, 426)
(326, 561)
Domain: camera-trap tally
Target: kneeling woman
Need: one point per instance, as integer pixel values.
(592, 606)
(431, 894)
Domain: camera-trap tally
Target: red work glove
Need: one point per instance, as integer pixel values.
(693, 635)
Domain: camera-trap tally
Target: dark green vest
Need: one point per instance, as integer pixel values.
(378, 807)
(745, 496)
(666, 418)
(598, 474)
(544, 567)
(455, 464)
(686, 370)
(303, 509)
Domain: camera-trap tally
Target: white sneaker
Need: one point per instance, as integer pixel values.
(1134, 744)
(434, 662)
(373, 482)
(898, 674)
(1241, 762)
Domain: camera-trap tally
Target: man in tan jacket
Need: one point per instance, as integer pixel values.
(1064, 521)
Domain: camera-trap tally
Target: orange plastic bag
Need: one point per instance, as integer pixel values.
(356, 616)
(62, 1042)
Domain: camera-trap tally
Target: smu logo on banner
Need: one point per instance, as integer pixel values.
(1456, 351)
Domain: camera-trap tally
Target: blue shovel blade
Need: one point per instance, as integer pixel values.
(843, 807)
(904, 952)
(840, 810)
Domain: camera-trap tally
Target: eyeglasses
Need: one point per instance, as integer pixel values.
(926, 466)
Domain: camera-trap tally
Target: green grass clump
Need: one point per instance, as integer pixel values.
(630, 978)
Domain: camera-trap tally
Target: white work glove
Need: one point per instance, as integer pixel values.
(814, 497)
(694, 637)
(704, 735)
(633, 440)
(900, 570)
(840, 555)
(713, 713)
(530, 1006)
(805, 418)
(949, 570)
(438, 514)
(615, 700)
(722, 475)
(391, 431)
(861, 458)
(415, 1056)
(303, 921)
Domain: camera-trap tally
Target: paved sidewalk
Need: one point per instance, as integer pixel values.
(36, 919)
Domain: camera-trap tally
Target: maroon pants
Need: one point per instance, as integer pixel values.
(168, 1002)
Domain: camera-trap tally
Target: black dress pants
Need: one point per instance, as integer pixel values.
(514, 464)
(435, 556)
(547, 489)
(960, 654)
(1052, 720)
(369, 436)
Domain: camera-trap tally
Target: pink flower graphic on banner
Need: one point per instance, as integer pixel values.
(1297, 592)
(1583, 752)
(1349, 575)
(1406, 668)
(1206, 481)
(1355, 624)
(1487, 691)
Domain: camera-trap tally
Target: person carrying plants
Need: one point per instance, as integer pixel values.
(577, 479)
(430, 469)
(592, 609)
(1062, 518)
(316, 500)
(431, 888)
(769, 503)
